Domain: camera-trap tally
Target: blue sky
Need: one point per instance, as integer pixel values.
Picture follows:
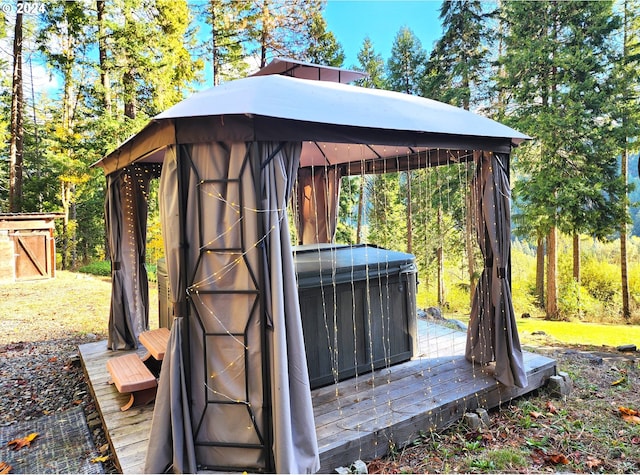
(353, 20)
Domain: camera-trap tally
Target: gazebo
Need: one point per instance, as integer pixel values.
(234, 390)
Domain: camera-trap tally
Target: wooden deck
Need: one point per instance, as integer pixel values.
(355, 419)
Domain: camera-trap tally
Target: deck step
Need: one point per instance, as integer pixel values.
(129, 373)
(155, 341)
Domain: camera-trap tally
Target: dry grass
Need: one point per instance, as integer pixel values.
(67, 306)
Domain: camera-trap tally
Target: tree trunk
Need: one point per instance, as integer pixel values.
(128, 77)
(74, 220)
(214, 45)
(129, 84)
(576, 257)
(102, 55)
(360, 217)
(65, 198)
(264, 34)
(409, 215)
(577, 251)
(540, 293)
(440, 258)
(468, 239)
(552, 274)
(624, 260)
(16, 144)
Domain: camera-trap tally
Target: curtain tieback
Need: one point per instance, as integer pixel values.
(180, 309)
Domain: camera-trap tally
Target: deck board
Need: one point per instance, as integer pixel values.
(357, 418)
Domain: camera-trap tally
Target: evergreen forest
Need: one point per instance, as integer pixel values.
(564, 73)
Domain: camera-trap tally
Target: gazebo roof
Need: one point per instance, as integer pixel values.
(338, 123)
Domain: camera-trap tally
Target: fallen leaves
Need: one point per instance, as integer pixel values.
(22, 441)
(5, 468)
(622, 379)
(617, 382)
(592, 462)
(541, 457)
(558, 459)
(629, 415)
(551, 409)
(102, 458)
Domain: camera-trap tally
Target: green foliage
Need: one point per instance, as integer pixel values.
(458, 64)
(348, 210)
(523, 283)
(226, 44)
(567, 179)
(323, 47)
(280, 27)
(372, 63)
(601, 279)
(386, 216)
(406, 66)
(97, 268)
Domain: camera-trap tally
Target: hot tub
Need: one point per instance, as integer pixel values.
(358, 307)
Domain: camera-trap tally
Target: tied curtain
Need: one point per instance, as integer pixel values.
(234, 394)
(492, 334)
(126, 208)
(171, 446)
(317, 192)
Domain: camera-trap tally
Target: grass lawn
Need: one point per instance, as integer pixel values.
(71, 304)
(579, 333)
(570, 333)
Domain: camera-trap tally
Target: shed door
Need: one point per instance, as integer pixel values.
(32, 258)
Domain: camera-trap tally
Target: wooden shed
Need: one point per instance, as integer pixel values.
(27, 246)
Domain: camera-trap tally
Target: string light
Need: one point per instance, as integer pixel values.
(378, 387)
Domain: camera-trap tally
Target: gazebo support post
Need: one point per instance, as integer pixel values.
(267, 414)
(182, 306)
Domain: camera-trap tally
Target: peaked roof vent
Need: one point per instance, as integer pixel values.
(302, 70)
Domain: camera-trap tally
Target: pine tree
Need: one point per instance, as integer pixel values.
(150, 43)
(385, 214)
(627, 113)
(457, 73)
(227, 45)
(280, 27)
(66, 24)
(556, 70)
(407, 64)
(371, 63)
(405, 69)
(459, 62)
(323, 48)
(17, 131)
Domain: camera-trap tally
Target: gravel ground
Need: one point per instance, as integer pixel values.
(43, 377)
(41, 325)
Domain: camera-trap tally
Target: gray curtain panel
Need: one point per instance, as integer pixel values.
(492, 334)
(171, 447)
(126, 208)
(295, 444)
(236, 264)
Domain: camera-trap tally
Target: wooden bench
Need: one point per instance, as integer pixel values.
(130, 375)
(155, 342)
